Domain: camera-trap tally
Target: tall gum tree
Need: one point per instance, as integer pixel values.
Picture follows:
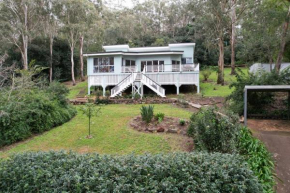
(50, 26)
(71, 15)
(18, 23)
(286, 5)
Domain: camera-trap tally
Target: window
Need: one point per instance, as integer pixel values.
(175, 62)
(187, 60)
(175, 65)
(129, 66)
(153, 66)
(104, 65)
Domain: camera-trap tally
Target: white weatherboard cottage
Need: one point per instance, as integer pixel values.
(123, 67)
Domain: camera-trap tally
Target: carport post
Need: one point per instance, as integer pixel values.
(288, 105)
(245, 106)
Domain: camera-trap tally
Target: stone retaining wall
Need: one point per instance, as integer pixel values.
(129, 101)
(143, 101)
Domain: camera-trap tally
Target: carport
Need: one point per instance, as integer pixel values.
(264, 88)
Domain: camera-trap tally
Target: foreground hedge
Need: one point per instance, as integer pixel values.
(180, 172)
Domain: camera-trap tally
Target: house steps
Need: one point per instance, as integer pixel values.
(137, 77)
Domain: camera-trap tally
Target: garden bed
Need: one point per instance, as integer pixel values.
(168, 125)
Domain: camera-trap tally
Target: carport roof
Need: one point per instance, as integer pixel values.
(268, 88)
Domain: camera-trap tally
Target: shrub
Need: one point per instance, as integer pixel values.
(107, 94)
(99, 93)
(179, 172)
(32, 111)
(147, 113)
(259, 159)
(213, 131)
(206, 73)
(159, 116)
(181, 122)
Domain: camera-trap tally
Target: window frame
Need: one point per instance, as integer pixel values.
(104, 65)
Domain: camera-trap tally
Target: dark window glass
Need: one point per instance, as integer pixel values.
(128, 62)
(161, 62)
(111, 61)
(183, 60)
(155, 62)
(173, 62)
(133, 63)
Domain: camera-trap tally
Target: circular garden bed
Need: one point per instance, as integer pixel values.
(167, 125)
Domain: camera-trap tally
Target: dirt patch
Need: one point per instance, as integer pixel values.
(170, 129)
(168, 125)
(276, 136)
(269, 125)
(205, 101)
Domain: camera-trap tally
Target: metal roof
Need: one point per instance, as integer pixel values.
(134, 53)
(268, 88)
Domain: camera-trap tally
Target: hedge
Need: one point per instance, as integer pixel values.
(177, 172)
(32, 112)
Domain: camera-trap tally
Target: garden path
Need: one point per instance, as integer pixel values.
(276, 136)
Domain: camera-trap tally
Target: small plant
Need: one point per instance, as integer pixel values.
(107, 94)
(182, 101)
(159, 117)
(99, 93)
(182, 122)
(90, 110)
(147, 113)
(206, 74)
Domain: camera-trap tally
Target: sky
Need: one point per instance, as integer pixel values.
(121, 3)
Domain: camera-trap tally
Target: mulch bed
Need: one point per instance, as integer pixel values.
(168, 125)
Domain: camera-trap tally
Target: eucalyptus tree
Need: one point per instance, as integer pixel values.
(285, 7)
(214, 14)
(72, 14)
(89, 23)
(233, 34)
(51, 27)
(19, 21)
(261, 32)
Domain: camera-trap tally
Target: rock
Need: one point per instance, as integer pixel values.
(151, 129)
(160, 129)
(172, 130)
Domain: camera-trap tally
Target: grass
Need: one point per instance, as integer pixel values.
(111, 134)
(209, 89)
(75, 90)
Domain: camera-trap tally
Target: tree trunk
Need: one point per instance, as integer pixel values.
(233, 37)
(25, 39)
(220, 79)
(25, 55)
(81, 57)
(50, 67)
(72, 66)
(283, 42)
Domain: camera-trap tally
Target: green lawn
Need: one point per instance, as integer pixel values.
(111, 134)
(212, 89)
(75, 90)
